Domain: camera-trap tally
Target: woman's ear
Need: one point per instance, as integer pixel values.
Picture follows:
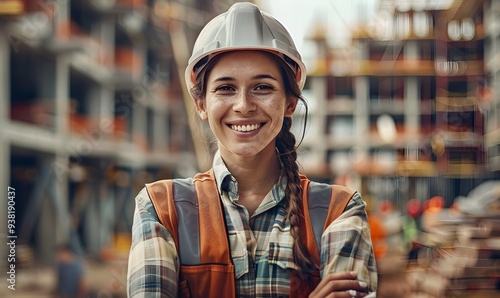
(291, 105)
(200, 109)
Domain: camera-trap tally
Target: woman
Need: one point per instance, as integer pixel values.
(246, 77)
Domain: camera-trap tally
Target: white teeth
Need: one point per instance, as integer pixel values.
(245, 128)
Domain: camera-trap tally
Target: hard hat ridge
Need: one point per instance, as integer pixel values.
(245, 18)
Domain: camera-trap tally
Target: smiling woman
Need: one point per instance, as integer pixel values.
(251, 226)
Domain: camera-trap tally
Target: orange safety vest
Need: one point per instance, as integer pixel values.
(201, 239)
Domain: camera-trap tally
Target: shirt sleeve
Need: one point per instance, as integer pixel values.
(153, 260)
(346, 244)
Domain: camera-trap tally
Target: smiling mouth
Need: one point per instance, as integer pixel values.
(246, 128)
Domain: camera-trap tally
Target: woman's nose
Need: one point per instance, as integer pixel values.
(244, 103)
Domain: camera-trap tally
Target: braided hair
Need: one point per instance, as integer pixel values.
(286, 144)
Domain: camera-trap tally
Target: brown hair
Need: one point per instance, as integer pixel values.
(286, 144)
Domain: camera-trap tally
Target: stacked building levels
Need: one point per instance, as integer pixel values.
(409, 110)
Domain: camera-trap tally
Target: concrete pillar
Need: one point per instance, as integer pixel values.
(361, 113)
(318, 116)
(412, 92)
(46, 227)
(412, 105)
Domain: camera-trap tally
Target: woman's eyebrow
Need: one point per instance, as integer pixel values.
(256, 77)
(224, 79)
(264, 76)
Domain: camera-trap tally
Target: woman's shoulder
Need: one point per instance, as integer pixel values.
(336, 191)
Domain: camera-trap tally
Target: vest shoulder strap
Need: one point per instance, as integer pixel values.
(179, 200)
(213, 244)
(199, 236)
(321, 204)
(161, 195)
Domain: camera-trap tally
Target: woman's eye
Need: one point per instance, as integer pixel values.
(264, 87)
(224, 88)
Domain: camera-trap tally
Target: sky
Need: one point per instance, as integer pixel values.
(299, 16)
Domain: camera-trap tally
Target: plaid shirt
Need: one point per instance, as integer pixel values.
(261, 245)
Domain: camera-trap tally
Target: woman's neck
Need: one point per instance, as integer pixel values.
(255, 174)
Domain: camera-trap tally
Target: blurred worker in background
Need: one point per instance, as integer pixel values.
(393, 226)
(411, 229)
(377, 231)
(70, 272)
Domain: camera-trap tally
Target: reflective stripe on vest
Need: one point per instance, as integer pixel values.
(186, 204)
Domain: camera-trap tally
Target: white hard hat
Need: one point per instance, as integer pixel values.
(244, 27)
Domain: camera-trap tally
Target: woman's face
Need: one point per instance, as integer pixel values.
(245, 102)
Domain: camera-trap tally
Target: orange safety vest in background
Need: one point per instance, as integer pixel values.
(191, 210)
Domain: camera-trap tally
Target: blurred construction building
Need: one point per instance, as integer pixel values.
(410, 108)
(93, 105)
